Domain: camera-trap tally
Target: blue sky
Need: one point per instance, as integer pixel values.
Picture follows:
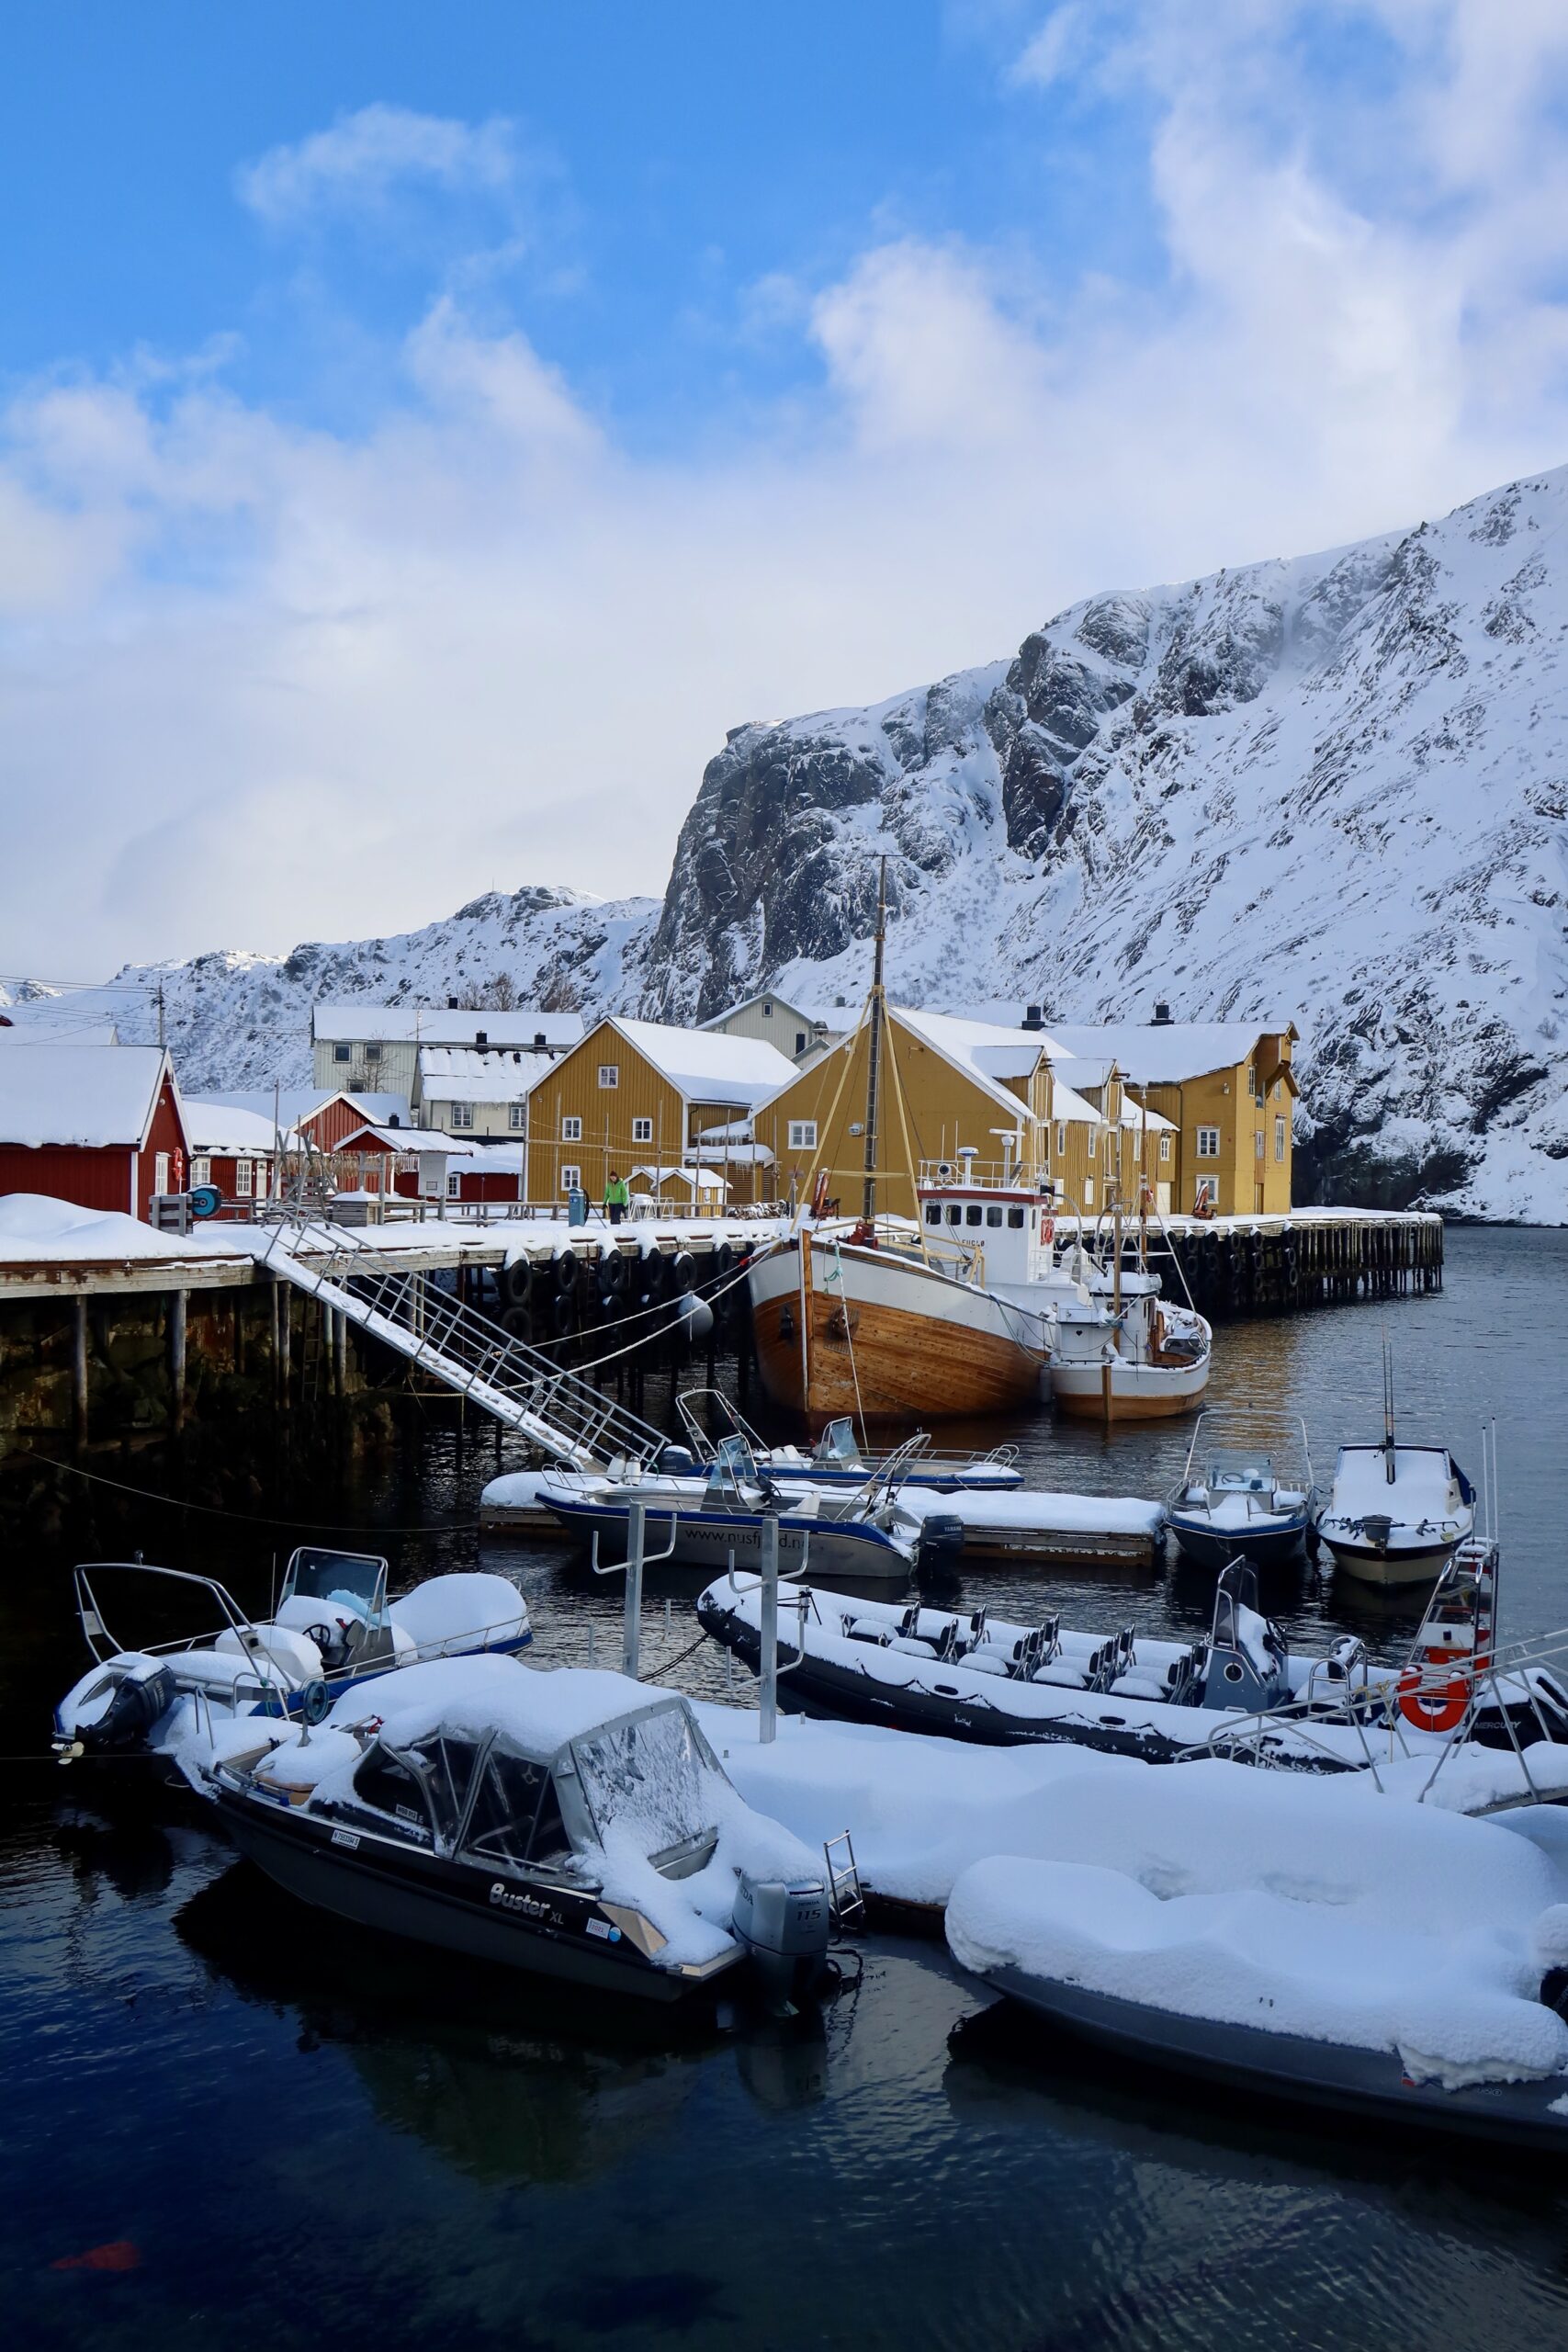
(439, 426)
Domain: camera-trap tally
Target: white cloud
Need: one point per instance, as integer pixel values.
(354, 166)
(262, 682)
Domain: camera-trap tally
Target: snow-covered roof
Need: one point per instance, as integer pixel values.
(466, 1074)
(384, 1109)
(91, 1096)
(1165, 1053)
(983, 1053)
(698, 1179)
(217, 1129)
(357, 1023)
(707, 1066)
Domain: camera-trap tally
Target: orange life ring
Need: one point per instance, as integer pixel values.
(1429, 1707)
(1048, 1227)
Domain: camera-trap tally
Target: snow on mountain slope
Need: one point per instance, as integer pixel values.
(236, 1021)
(1334, 788)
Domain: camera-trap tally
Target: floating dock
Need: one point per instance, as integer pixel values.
(1066, 1530)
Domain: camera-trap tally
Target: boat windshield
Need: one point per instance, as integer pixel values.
(354, 1580)
(837, 1444)
(1240, 1474)
(655, 1776)
(731, 1467)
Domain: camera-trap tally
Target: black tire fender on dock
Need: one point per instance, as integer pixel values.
(614, 1273)
(723, 1260)
(567, 1267)
(565, 1312)
(655, 1274)
(515, 1282)
(683, 1272)
(517, 1322)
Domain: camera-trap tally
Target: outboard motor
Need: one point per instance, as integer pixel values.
(784, 1927)
(145, 1692)
(676, 1462)
(942, 1542)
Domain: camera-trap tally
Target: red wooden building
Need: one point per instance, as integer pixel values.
(102, 1126)
(235, 1149)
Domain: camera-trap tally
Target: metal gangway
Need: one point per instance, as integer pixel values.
(565, 1415)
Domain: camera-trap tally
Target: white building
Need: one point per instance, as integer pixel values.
(361, 1046)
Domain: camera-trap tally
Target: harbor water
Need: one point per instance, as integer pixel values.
(229, 2121)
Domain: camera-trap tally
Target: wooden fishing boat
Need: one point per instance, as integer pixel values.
(862, 1328)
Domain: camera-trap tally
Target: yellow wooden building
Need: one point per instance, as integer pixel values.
(1228, 1089)
(637, 1095)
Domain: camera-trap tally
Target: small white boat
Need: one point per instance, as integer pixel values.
(1396, 1514)
(836, 1459)
(332, 1629)
(1231, 1498)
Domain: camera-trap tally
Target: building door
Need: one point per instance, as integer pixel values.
(1258, 1200)
(161, 1172)
(1162, 1199)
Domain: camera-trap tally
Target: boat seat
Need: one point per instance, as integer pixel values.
(867, 1629)
(985, 1661)
(1062, 1673)
(1140, 1686)
(911, 1646)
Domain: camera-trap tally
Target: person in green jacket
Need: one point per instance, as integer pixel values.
(617, 1198)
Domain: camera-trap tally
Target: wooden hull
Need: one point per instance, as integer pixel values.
(857, 1331)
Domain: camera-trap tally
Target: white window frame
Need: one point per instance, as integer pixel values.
(572, 1131)
(244, 1180)
(453, 1183)
(642, 1131)
(1094, 1143)
(1208, 1145)
(1208, 1190)
(1252, 1080)
(1165, 1147)
(263, 1178)
(517, 1116)
(343, 1053)
(571, 1179)
(609, 1073)
(1061, 1139)
(1279, 1138)
(1258, 1145)
(802, 1135)
(462, 1117)
(201, 1170)
(1088, 1192)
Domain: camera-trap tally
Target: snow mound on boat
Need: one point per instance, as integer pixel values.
(446, 1613)
(1293, 1907)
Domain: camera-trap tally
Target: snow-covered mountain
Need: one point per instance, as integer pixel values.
(1334, 788)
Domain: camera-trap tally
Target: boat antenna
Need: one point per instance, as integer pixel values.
(1387, 1411)
(873, 1053)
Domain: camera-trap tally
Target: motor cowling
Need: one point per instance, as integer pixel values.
(784, 1926)
(140, 1699)
(941, 1541)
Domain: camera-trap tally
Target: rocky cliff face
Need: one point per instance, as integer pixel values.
(1334, 788)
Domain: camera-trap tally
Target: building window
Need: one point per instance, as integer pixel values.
(242, 1180)
(1252, 1078)
(1088, 1192)
(1208, 1143)
(462, 1114)
(767, 1012)
(800, 1041)
(1279, 1138)
(372, 1053)
(803, 1134)
(453, 1181)
(1093, 1142)
(1208, 1188)
(609, 1073)
(572, 1131)
(201, 1172)
(571, 1179)
(1257, 1143)
(517, 1116)
(642, 1131)
(343, 1053)
(1165, 1147)
(1061, 1140)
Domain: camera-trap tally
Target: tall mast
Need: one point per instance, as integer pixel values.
(873, 1053)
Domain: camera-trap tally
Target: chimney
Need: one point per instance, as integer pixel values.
(481, 1036)
(1033, 1019)
(538, 1039)
(1162, 1017)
